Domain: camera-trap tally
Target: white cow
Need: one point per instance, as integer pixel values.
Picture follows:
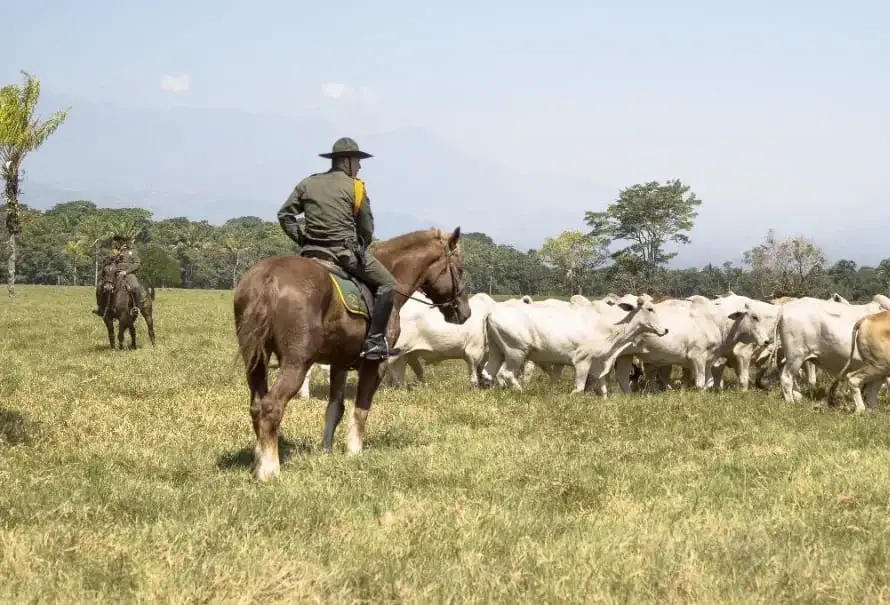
(818, 330)
(743, 354)
(406, 315)
(323, 368)
(700, 333)
(427, 336)
(587, 338)
(808, 366)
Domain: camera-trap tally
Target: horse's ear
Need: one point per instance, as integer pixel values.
(454, 238)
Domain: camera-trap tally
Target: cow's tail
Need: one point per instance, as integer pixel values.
(832, 390)
(773, 362)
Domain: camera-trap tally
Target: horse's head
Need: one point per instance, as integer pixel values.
(109, 276)
(443, 281)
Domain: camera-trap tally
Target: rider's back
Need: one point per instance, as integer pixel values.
(328, 201)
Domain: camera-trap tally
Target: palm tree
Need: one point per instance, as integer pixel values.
(96, 231)
(20, 133)
(235, 243)
(79, 252)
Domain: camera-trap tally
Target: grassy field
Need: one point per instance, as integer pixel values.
(124, 478)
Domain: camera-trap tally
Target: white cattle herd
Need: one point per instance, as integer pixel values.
(636, 337)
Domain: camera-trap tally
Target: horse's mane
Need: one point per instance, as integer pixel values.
(400, 243)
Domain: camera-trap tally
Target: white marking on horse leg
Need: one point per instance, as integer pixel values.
(355, 435)
(267, 464)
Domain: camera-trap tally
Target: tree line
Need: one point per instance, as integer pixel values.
(623, 250)
(68, 243)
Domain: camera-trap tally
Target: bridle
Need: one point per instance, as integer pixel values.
(457, 289)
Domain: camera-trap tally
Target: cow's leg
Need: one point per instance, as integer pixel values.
(811, 373)
(417, 368)
(493, 365)
(789, 371)
(554, 371)
(596, 385)
(871, 390)
(582, 370)
(514, 361)
(867, 379)
(623, 370)
(528, 370)
(396, 368)
(717, 374)
(743, 369)
(699, 368)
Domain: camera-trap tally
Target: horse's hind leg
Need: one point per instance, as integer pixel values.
(266, 413)
(334, 413)
(132, 329)
(368, 381)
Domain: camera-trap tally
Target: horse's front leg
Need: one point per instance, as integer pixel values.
(368, 381)
(121, 328)
(109, 325)
(132, 330)
(334, 413)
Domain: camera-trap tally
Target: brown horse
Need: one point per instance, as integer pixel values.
(119, 305)
(287, 305)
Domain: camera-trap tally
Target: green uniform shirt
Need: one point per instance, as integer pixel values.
(129, 261)
(328, 201)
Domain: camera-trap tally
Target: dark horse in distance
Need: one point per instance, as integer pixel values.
(119, 305)
(295, 307)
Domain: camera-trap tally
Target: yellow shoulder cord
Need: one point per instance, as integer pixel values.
(359, 191)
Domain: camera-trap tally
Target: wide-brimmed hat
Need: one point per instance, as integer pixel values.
(344, 147)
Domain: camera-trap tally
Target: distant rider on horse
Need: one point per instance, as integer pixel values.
(339, 224)
(123, 262)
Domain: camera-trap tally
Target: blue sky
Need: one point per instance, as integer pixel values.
(779, 107)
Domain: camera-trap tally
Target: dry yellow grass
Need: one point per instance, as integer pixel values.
(124, 478)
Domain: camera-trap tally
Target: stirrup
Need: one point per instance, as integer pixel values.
(378, 350)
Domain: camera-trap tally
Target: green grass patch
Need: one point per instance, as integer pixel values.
(124, 478)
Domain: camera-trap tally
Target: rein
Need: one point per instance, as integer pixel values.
(456, 290)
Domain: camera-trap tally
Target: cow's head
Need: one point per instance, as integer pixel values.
(642, 316)
(749, 326)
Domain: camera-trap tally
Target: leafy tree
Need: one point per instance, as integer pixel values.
(576, 255)
(159, 268)
(21, 132)
(789, 267)
(647, 215)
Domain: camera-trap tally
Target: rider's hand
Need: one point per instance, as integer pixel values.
(121, 272)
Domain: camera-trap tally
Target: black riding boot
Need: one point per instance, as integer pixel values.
(375, 346)
(138, 298)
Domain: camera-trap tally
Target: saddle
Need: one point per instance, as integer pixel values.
(355, 296)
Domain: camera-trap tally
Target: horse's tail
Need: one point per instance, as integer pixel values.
(255, 297)
(151, 292)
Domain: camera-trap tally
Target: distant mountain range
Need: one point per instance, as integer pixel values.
(216, 164)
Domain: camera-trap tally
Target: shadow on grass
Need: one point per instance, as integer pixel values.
(391, 439)
(243, 458)
(16, 429)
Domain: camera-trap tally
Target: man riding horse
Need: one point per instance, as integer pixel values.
(338, 224)
(123, 263)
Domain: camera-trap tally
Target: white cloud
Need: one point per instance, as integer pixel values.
(364, 97)
(180, 83)
(336, 90)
